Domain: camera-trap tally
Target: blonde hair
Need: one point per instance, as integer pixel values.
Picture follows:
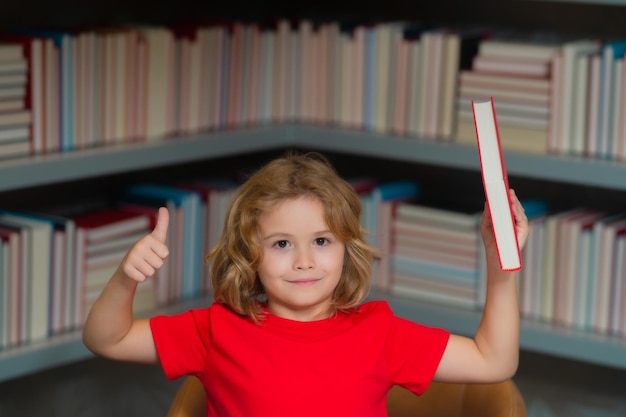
(238, 254)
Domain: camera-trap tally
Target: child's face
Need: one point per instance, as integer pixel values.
(302, 260)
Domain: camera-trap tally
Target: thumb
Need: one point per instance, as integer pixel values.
(163, 221)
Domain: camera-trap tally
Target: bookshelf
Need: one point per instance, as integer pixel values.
(538, 337)
(589, 16)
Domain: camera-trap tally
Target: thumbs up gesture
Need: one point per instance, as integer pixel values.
(147, 255)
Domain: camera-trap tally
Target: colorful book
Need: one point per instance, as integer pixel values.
(36, 280)
(61, 298)
(63, 41)
(96, 228)
(209, 190)
(380, 213)
(10, 289)
(612, 59)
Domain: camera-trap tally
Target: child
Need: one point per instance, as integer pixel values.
(289, 333)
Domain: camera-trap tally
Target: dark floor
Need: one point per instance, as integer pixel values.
(552, 387)
(557, 387)
(90, 388)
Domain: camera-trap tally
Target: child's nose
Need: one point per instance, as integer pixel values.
(304, 259)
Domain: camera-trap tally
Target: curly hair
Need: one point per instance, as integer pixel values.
(236, 257)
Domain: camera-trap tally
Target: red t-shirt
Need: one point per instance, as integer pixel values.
(342, 366)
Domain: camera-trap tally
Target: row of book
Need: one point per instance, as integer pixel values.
(564, 97)
(138, 83)
(15, 110)
(520, 79)
(53, 267)
(61, 91)
(573, 272)
(437, 256)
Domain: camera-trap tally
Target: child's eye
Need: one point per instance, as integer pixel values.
(281, 244)
(321, 241)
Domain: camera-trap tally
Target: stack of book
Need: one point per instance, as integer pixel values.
(436, 255)
(27, 241)
(518, 75)
(15, 118)
(215, 197)
(103, 238)
(379, 210)
(53, 267)
(574, 274)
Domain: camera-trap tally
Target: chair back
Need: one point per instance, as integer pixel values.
(458, 400)
(440, 400)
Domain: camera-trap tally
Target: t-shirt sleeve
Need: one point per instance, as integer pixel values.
(416, 351)
(181, 341)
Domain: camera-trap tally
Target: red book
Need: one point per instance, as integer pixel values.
(496, 184)
(33, 53)
(97, 227)
(111, 222)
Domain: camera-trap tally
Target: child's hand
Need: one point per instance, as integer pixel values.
(521, 223)
(147, 255)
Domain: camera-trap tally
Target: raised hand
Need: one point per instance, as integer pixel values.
(521, 223)
(147, 255)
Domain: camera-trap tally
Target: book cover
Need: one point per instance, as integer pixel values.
(570, 261)
(612, 58)
(63, 41)
(436, 235)
(606, 231)
(618, 324)
(4, 278)
(593, 105)
(381, 212)
(159, 80)
(37, 268)
(574, 90)
(62, 296)
(97, 227)
(496, 184)
(530, 276)
(208, 189)
(11, 303)
(111, 222)
(33, 50)
(265, 76)
(521, 48)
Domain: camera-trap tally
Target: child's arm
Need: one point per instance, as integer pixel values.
(492, 355)
(110, 329)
